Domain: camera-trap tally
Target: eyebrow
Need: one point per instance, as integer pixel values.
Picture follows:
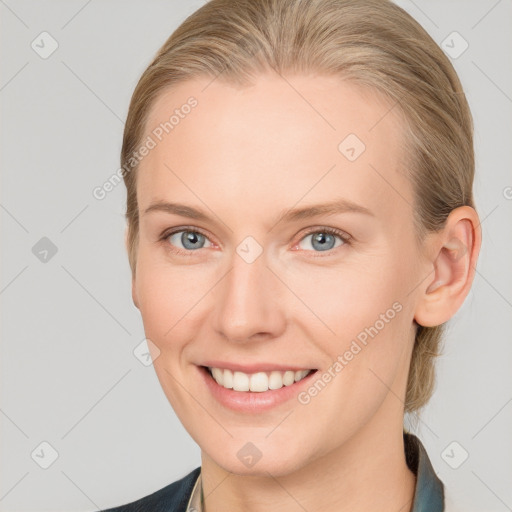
(289, 215)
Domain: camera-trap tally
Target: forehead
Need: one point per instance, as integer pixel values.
(279, 141)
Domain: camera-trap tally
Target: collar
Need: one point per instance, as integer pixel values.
(429, 490)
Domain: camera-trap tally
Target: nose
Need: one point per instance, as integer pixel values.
(251, 305)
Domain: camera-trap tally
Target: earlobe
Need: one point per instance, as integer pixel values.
(456, 249)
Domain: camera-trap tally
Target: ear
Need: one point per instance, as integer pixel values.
(454, 252)
(134, 288)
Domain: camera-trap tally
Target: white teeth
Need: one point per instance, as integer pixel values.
(240, 381)
(288, 378)
(218, 375)
(228, 379)
(300, 374)
(275, 380)
(256, 382)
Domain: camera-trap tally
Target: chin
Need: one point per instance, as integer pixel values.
(257, 459)
(262, 468)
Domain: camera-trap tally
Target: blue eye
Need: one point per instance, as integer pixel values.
(189, 239)
(324, 239)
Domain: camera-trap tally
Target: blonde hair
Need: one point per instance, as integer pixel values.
(374, 43)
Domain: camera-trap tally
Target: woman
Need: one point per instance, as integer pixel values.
(301, 226)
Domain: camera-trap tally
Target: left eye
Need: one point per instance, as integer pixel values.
(323, 240)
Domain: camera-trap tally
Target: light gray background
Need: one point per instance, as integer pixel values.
(68, 373)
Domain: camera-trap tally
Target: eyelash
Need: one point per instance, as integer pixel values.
(345, 238)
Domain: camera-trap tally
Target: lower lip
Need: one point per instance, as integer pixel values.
(253, 401)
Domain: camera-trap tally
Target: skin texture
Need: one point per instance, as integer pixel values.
(244, 156)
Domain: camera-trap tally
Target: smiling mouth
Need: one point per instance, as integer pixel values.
(258, 382)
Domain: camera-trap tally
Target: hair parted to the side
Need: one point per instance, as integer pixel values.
(373, 43)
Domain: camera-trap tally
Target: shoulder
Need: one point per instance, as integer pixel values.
(172, 498)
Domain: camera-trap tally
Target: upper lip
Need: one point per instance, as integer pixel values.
(255, 367)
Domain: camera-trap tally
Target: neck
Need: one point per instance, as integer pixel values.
(368, 472)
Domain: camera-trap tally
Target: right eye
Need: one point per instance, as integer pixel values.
(184, 241)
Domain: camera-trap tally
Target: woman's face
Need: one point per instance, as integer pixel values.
(251, 273)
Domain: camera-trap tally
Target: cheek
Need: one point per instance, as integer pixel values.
(169, 296)
(367, 360)
(358, 317)
(346, 300)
